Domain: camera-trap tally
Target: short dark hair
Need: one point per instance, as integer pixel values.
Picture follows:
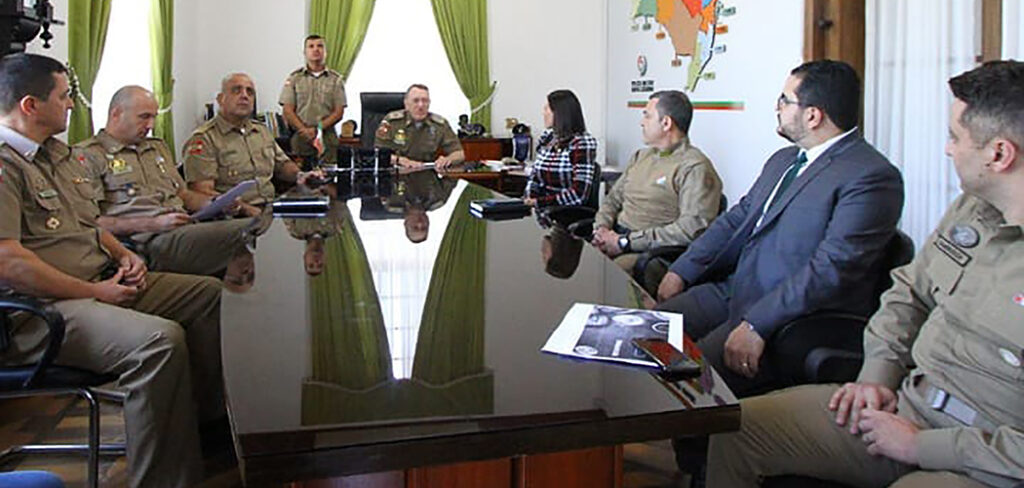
(416, 85)
(675, 105)
(833, 87)
(311, 37)
(26, 74)
(567, 114)
(994, 94)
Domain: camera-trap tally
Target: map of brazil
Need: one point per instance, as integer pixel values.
(692, 26)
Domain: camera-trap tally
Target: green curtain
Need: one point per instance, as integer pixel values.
(349, 340)
(87, 33)
(161, 40)
(463, 28)
(342, 24)
(451, 337)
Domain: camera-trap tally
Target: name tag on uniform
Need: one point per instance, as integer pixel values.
(952, 251)
(48, 193)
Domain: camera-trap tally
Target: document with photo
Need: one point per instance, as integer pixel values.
(604, 333)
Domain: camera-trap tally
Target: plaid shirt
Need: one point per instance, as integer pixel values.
(563, 171)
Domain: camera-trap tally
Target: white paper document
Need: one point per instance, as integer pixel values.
(217, 207)
(604, 333)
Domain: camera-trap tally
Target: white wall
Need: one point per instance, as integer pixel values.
(537, 46)
(764, 42)
(262, 38)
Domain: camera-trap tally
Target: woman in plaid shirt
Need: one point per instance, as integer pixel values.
(563, 171)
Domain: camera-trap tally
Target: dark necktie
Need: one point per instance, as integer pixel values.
(787, 179)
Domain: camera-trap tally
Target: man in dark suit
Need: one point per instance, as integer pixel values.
(808, 236)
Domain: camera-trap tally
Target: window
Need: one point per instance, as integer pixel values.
(126, 56)
(403, 47)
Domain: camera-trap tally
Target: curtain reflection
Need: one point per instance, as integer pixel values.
(352, 379)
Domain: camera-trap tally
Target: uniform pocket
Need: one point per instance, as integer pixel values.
(945, 275)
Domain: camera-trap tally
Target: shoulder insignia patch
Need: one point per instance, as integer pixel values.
(384, 129)
(397, 114)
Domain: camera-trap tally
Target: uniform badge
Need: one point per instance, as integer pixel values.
(1019, 299)
(119, 166)
(661, 181)
(196, 147)
(964, 236)
(52, 223)
(400, 137)
(48, 193)
(81, 159)
(383, 129)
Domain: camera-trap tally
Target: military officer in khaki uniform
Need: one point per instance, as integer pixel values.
(940, 398)
(232, 148)
(142, 196)
(416, 135)
(669, 192)
(132, 324)
(313, 100)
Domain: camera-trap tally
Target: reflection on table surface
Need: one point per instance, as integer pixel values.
(398, 315)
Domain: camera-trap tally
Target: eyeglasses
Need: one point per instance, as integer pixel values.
(782, 100)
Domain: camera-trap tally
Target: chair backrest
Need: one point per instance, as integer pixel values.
(375, 106)
(898, 252)
(594, 197)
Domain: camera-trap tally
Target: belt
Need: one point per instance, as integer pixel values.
(943, 401)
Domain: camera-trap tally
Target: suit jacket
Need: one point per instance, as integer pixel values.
(819, 248)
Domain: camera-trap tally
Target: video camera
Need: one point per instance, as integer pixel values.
(21, 21)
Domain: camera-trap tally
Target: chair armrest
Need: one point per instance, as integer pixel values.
(790, 349)
(565, 215)
(54, 322)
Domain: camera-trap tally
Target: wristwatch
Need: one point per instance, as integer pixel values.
(624, 242)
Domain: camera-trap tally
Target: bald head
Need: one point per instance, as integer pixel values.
(128, 95)
(131, 115)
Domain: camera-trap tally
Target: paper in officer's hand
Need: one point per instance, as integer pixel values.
(220, 204)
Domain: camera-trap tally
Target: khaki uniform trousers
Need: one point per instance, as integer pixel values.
(150, 346)
(793, 432)
(304, 148)
(202, 248)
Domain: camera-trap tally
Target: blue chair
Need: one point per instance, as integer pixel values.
(46, 379)
(30, 479)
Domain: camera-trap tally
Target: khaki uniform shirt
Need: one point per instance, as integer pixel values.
(417, 141)
(665, 199)
(314, 97)
(134, 181)
(955, 316)
(229, 155)
(49, 206)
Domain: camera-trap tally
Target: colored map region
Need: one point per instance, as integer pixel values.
(692, 26)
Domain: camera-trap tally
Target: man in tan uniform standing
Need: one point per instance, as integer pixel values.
(232, 148)
(312, 99)
(669, 192)
(940, 398)
(416, 135)
(143, 197)
(132, 324)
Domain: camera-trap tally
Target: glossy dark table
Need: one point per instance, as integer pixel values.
(343, 372)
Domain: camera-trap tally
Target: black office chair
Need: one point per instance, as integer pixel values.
(579, 219)
(46, 379)
(375, 106)
(661, 258)
(829, 347)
